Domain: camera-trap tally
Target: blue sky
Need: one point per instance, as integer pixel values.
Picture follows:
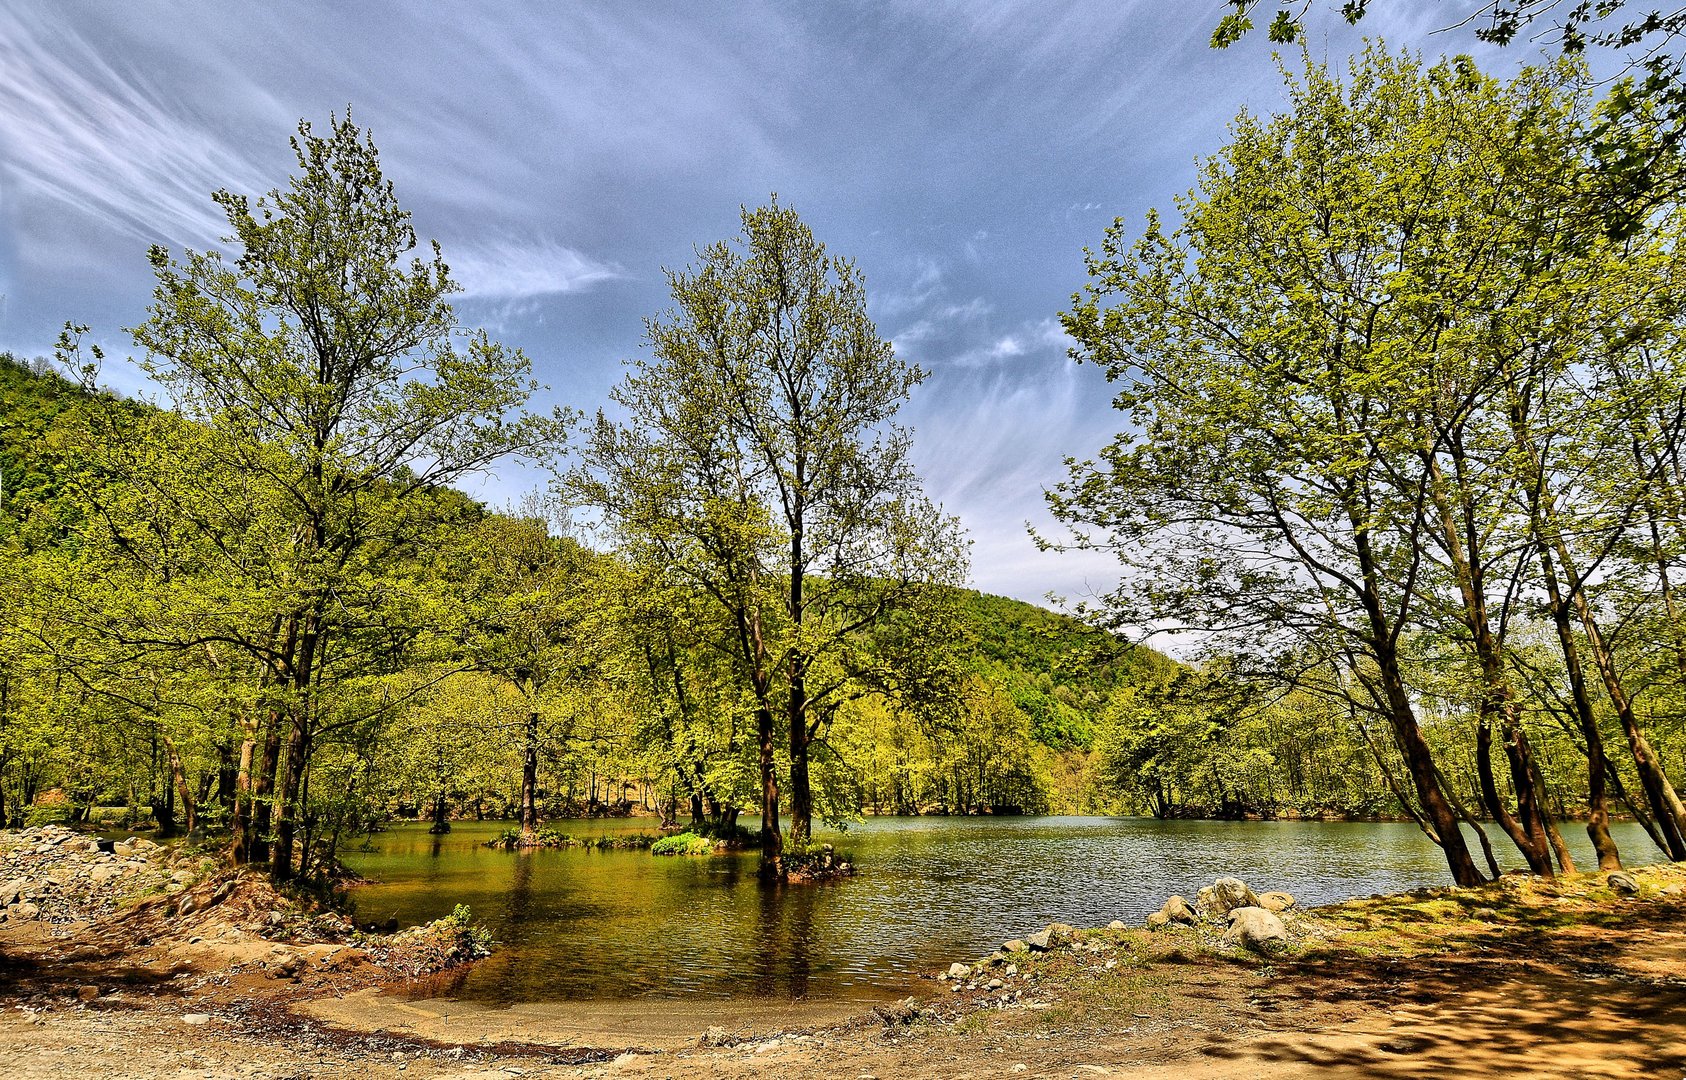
(962, 153)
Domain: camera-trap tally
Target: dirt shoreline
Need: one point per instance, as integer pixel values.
(1521, 978)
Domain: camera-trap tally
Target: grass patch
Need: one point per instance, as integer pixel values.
(685, 843)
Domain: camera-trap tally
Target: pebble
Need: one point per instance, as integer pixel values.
(196, 1019)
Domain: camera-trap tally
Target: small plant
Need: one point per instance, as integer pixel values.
(685, 843)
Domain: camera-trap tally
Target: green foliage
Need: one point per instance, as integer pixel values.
(685, 843)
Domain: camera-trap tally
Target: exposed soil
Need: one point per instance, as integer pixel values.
(1523, 978)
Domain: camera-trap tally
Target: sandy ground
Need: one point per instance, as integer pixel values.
(1552, 985)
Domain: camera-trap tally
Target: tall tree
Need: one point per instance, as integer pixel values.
(330, 396)
(761, 462)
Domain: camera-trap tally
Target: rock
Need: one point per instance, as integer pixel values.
(1116, 924)
(1176, 909)
(284, 963)
(100, 875)
(1256, 928)
(1623, 883)
(1223, 896)
(11, 892)
(23, 910)
(1277, 902)
(1158, 921)
(1015, 946)
(958, 970)
(1674, 890)
(87, 993)
(196, 1019)
(1051, 937)
(714, 1036)
(1012, 971)
(905, 1011)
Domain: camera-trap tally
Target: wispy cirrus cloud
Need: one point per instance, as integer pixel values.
(77, 129)
(991, 439)
(85, 132)
(517, 269)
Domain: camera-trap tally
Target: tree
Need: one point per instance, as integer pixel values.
(1294, 355)
(329, 397)
(1637, 142)
(761, 463)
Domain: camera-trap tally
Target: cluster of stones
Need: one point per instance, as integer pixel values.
(998, 973)
(58, 875)
(1252, 920)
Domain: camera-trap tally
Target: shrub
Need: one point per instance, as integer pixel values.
(685, 843)
(46, 814)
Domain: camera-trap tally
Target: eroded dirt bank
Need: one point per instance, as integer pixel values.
(1525, 977)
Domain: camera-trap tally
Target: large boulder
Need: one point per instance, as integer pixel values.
(1158, 921)
(1223, 896)
(1256, 928)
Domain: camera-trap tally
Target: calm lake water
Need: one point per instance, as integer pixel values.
(588, 924)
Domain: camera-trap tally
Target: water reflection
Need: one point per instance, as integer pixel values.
(784, 940)
(583, 923)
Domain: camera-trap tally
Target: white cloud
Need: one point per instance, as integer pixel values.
(987, 452)
(943, 321)
(514, 269)
(1040, 336)
(78, 130)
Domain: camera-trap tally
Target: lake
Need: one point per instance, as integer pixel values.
(588, 924)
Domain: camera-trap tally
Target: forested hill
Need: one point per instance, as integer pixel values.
(1037, 684)
(1058, 670)
(1056, 715)
(34, 400)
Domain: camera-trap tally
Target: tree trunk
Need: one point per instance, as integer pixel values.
(1419, 759)
(530, 779)
(1464, 552)
(1598, 766)
(772, 843)
(292, 779)
(1659, 792)
(298, 751)
(190, 808)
